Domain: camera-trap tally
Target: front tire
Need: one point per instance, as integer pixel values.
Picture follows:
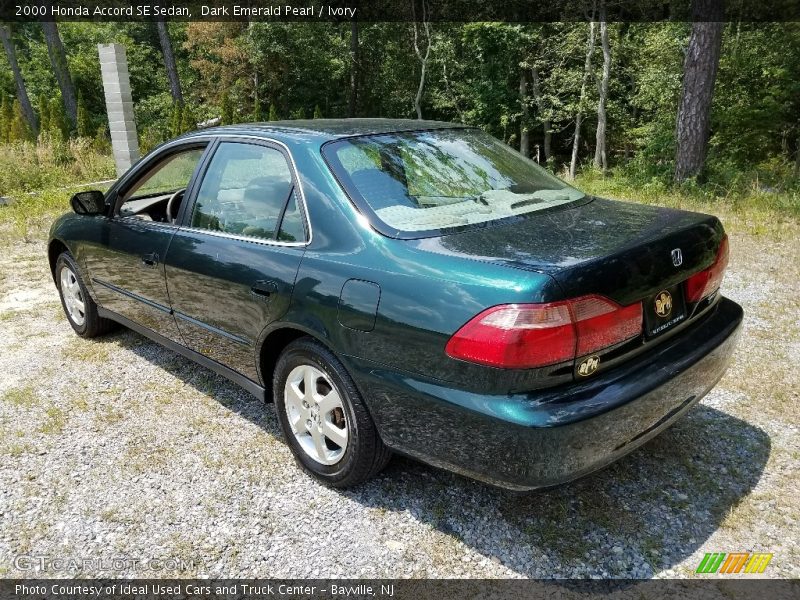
(323, 417)
(78, 305)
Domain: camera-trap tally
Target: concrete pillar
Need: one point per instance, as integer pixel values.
(119, 105)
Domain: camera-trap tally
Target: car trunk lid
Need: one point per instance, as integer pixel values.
(623, 251)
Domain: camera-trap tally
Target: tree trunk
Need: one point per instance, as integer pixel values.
(524, 135)
(450, 92)
(19, 82)
(587, 69)
(694, 113)
(423, 58)
(169, 62)
(537, 97)
(600, 152)
(58, 60)
(351, 108)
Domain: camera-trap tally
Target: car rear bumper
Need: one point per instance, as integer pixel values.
(548, 437)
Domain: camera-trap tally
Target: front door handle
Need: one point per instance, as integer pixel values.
(264, 289)
(150, 260)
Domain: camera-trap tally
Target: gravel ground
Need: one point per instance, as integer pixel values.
(120, 449)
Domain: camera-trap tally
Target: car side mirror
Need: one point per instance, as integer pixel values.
(92, 202)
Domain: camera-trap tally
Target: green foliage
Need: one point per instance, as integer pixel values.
(6, 115)
(84, 127)
(176, 119)
(473, 76)
(19, 131)
(188, 119)
(257, 117)
(44, 114)
(58, 126)
(149, 138)
(748, 199)
(226, 109)
(26, 167)
(101, 144)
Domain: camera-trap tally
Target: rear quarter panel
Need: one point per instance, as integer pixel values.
(423, 299)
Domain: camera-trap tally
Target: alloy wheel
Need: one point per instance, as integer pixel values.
(73, 296)
(316, 414)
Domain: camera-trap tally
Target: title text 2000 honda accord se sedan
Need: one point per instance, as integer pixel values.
(408, 286)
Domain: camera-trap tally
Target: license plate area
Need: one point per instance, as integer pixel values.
(664, 310)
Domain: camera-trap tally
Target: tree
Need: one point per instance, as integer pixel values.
(797, 159)
(84, 122)
(694, 114)
(44, 114)
(169, 61)
(58, 60)
(317, 112)
(524, 134)
(225, 109)
(423, 57)
(273, 112)
(257, 115)
(19, 82)
(547, 133)
(19, 131)
(188, 119)
(58, 124)
(600, 151)
(351, 106)
(6, 114)
(176, 119)
(587, 69)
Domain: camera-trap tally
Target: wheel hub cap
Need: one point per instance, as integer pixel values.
(316, 414)
(73, 296)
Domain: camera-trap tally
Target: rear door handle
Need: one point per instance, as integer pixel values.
(150, 260)
(264, 289)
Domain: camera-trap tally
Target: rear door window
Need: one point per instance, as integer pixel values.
(245, 192)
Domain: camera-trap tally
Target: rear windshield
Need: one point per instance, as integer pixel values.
(429, 181)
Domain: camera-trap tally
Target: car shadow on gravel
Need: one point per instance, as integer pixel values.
(642, 515)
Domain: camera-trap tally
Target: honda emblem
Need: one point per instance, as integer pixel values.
(677, 257)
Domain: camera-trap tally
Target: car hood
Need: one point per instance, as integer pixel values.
(619, 249)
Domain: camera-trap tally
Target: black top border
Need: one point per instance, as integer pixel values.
(512, 11)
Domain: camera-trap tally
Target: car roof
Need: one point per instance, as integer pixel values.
(325, 129)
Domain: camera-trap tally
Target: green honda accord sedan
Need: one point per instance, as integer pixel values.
(407, 286)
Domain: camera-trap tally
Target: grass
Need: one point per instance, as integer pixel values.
(24, 396)
(15, 450)
(749, 208)
(37, 179)
(26, 167)
(108, 415)
(55, 422)
(87, 351)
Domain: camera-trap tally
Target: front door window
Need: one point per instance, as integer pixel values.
(156, 195)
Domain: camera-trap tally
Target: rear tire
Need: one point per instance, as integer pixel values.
(78, 305)
(323, 417)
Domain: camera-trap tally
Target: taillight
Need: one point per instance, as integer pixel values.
(523, 336)
(703, 284)
(602, 323)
